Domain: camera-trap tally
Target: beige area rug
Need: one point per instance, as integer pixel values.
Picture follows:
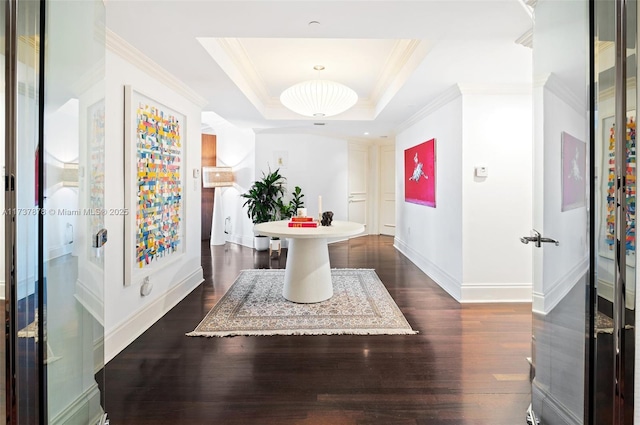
(254, 305)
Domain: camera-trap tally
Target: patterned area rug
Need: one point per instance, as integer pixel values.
(254, 305)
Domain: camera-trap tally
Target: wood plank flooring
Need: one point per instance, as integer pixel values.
(467, 366)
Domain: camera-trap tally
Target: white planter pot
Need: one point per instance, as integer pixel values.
(261, 243)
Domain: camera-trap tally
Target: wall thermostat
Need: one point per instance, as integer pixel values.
(482, 171)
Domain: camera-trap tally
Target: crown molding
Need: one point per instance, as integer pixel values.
(234, 49)
(495, 89)
(526, 39)
(553, 83)
(126, 51)
(400, 55)
(449, 95)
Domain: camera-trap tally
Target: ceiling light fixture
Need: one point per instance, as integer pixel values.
(318, 98)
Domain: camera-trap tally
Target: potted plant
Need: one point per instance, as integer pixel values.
(264, 202)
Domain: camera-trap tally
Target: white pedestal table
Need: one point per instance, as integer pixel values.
(307, 276)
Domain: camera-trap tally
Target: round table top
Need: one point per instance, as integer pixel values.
(280, 229)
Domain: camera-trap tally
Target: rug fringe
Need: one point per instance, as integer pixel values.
(302, 332)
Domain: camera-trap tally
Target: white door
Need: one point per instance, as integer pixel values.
(358, 184)
(387, 214)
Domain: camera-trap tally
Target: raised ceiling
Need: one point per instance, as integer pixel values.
(397, 55)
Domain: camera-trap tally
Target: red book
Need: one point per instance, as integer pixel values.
(303, 224)
(301, 219)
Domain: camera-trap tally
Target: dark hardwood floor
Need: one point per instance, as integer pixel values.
(466, 366)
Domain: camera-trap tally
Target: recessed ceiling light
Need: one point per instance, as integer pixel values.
(366, 133)
(383, 137)
(319, 67)
(318, 123)
(314, 23)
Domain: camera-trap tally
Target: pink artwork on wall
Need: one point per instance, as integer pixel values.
(573, 172)
(420, 174)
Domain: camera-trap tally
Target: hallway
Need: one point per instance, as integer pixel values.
(467, 366)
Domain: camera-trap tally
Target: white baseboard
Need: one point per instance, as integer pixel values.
(549, 409)
(125, 333)
(98, 354)
(544, 303)
(90, 301)
(59, 251)
(439, 276)
(496, 293)
(85, 409)
(241, 240)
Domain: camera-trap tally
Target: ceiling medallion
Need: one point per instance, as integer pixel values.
(318, 98)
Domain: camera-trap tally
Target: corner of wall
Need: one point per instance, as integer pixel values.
(119, 337)
(446, 281)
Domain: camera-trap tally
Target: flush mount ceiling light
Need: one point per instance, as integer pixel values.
(318, 98)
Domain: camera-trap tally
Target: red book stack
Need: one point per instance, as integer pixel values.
(299, 221)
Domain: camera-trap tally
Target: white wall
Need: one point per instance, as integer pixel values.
(235, 147)
(497, 133)
(127, 313)
(469, 243)
(319, 165)
(432, 237)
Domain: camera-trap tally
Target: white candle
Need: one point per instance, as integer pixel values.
(320, 206)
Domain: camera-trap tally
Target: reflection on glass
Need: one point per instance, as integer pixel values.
(607, 95)
(3, 400)
(561, 209)
(74, 124)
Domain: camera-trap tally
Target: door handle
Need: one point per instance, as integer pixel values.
(537, 239)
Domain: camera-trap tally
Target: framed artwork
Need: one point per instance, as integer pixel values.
(420, 174)
(281, 159)
(154, 152)
(96, 183)
(574, 174)
(608, 209)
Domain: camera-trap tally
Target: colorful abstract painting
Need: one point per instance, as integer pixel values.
(574, 174)
(420, 174)
(630, 188)
(153, 182)
(96, 134)
(159, 150)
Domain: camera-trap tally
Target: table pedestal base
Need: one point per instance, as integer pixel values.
(307, 276)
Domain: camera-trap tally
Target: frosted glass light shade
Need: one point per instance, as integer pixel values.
(318, 98)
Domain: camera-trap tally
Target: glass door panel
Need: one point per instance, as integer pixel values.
(615, 69)
(560, 237)
(74, 199)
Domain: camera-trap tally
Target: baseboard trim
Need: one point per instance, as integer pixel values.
(126, 332)
(91, 301)
(496, 293)
(544, 303)
(553, 411)
(241, 240)
(439, 276)
(80, 410)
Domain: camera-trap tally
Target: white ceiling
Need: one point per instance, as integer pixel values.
(397, 55)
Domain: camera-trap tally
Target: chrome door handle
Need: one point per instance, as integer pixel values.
(537, 239)
(549, 240)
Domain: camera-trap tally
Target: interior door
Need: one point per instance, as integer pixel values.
(387, 216)
(560, 238)
(73, 155)
(584, 212)
(358, 184)
(54, 111)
